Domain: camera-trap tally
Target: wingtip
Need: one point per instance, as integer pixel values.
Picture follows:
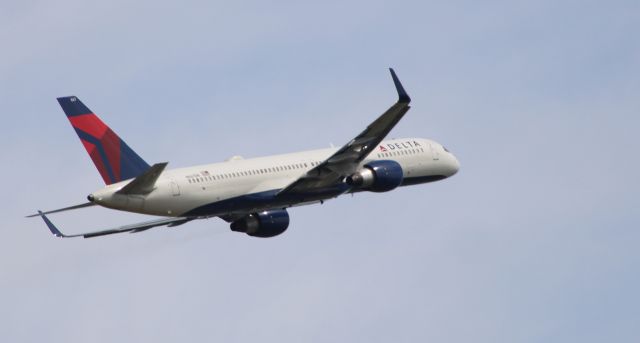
(54, 230)
(402, 94)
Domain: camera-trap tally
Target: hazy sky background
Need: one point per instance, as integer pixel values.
(534, 240)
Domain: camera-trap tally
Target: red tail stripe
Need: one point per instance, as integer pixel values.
(89, 123)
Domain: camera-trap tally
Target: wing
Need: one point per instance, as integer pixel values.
(346, 160)
(126, 228)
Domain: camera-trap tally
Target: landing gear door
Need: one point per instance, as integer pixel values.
(435, 154)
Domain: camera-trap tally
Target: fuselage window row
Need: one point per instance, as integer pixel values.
(252, 172)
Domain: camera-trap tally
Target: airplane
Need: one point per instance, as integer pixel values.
(253, 195)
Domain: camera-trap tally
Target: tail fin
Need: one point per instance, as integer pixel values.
(111, 155)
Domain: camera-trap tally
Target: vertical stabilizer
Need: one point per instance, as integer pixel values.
(113, 158)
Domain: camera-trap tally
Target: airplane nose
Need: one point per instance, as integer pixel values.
(453, 165)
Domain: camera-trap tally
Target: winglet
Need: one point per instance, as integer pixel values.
(402, 94)
(54, 230)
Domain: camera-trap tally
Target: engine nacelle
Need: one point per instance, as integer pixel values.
(377, 176)
(263, 224)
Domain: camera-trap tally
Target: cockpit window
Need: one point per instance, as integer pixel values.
(445, 149)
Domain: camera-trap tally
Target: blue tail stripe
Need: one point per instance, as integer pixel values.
(103, 155)
(131, 165)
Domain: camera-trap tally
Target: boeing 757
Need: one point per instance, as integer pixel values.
(253, 195)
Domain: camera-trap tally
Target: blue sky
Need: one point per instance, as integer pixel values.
(535, 239)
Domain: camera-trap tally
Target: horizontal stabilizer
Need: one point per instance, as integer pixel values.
(144, 183)
(75, 207)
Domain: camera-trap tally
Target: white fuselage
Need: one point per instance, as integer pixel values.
(222, 188)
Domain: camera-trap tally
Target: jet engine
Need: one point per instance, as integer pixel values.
(377, 176)
(263, 224)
